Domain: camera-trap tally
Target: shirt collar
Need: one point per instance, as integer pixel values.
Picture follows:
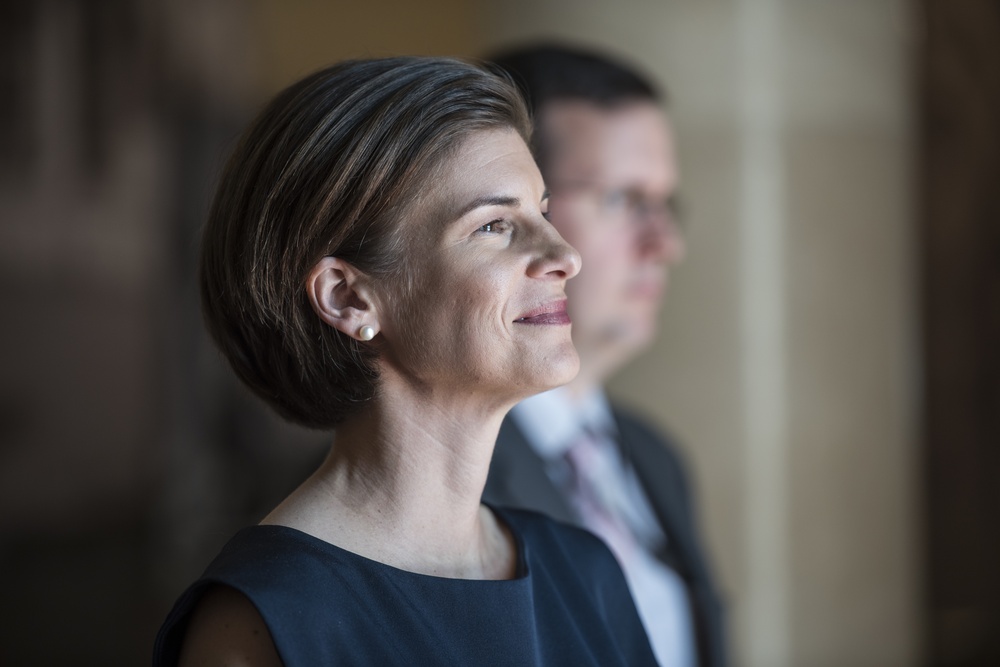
(554, 420)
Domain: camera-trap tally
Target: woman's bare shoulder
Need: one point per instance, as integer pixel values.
(226, 629)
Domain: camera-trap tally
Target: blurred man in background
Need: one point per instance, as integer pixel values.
(605, 149)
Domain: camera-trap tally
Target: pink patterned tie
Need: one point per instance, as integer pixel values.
(597, 497)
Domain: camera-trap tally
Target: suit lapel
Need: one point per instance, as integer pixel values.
(658, 479)
(662, 479)
(518, 477)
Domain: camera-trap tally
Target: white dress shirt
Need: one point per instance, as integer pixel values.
(552, 422)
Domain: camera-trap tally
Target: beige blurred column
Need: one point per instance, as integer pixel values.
(786, 363)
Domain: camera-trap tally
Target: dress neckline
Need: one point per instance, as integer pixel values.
(521, 570)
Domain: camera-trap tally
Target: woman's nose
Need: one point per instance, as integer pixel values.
(555, 258)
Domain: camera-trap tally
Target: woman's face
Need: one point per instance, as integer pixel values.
(485, 314)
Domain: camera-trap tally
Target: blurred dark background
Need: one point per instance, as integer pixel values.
(128, 454)
(959, 215)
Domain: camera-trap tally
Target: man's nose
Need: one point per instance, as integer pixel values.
(660, 236)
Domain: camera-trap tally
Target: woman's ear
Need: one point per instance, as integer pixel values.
(339, 294)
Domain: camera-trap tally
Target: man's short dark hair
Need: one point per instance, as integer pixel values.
(551, 72)
(547, 73)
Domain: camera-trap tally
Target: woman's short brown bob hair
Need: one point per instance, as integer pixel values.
(328, 169)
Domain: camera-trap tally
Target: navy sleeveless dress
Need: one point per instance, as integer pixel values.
(568, 605)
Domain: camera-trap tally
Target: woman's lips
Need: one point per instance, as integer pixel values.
(550, 313)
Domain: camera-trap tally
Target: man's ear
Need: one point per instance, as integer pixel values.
(339, 293)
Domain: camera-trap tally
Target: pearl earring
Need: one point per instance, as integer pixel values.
(366, 333)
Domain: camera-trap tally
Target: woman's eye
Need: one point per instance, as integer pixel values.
(495, 227)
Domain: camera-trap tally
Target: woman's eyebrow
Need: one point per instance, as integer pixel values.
(488, 200)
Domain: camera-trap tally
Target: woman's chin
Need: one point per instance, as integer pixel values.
(537, 373)
(560, 370)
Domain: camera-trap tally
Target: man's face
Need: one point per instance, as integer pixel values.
(612, 174)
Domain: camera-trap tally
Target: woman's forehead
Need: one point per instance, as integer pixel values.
(489, 167)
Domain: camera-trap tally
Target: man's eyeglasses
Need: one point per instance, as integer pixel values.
(626, 203)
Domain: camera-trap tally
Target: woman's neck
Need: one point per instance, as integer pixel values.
(402, 485)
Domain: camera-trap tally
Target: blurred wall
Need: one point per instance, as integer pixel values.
(112, 113)
(787, 362)
(296, 37)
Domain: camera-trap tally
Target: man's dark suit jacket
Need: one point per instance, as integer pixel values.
(518, 479)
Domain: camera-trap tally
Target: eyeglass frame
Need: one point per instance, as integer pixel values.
(634, 205)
